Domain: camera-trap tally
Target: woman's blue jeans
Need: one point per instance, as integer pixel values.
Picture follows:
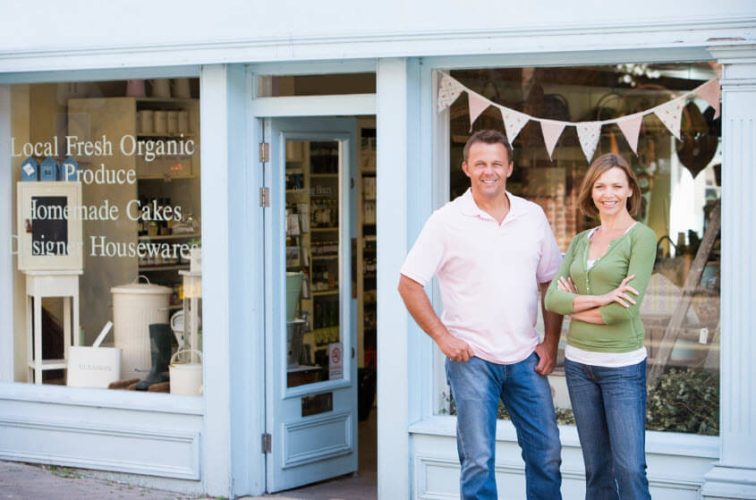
(610, 413)
(477, 386)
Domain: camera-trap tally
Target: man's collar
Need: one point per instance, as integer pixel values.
(470, 208)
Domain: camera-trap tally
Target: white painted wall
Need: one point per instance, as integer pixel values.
(144, 22)
(145, 33)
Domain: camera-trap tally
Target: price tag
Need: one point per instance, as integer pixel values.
(703, 336)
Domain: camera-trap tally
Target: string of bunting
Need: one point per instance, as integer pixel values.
(589, 132)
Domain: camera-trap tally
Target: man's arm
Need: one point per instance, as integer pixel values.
(418, 305)
(552, 323)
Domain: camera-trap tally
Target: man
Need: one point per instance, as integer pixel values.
(491, 252)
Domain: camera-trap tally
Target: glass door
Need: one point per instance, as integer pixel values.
(311, 389)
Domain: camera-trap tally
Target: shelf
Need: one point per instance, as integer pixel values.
(324, 257)
(369, 238)
(324, 293)
(324, 176)
(172, 267)
(323, 229)
(178, 236)
(51, 364)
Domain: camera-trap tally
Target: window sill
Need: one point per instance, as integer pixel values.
(103, 398)
(663, 443)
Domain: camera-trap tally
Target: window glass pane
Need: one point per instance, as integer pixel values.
(349, 83)
(107, 178)
(680, 182)
(312, 261)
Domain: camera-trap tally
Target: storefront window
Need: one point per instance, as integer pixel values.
(107, 234)
(680, 181)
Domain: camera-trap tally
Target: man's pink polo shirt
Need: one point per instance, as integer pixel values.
(488, 273)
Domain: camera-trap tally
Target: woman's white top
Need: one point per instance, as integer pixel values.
(606, 359)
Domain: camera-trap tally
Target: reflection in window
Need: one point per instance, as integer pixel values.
(681, 192)
(125, 302)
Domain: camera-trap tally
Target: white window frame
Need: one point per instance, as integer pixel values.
(432, 362)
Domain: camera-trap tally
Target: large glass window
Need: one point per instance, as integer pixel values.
(107, 234)
(680, 180)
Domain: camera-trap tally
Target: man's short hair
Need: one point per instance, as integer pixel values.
(489, 136)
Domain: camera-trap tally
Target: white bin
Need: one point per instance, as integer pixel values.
(135, 307)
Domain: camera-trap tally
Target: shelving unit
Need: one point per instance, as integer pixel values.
(174, 176)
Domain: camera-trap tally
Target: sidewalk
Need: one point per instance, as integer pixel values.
(40, 482)
(20, 481)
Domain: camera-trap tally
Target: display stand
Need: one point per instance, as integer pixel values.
(192, 296)
(41, 284)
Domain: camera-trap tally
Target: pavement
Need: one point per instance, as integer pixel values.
(40, 482)
(21, 481)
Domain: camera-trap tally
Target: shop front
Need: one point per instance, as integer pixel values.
(190, 290)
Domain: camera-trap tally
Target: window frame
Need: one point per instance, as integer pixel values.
(431, 363)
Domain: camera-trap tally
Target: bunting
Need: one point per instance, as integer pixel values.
(448, 91)
(551, 129)
(514, 121)
(711, 92)
(589, 133)
(630, 127)
(477, 104)
(670, 114)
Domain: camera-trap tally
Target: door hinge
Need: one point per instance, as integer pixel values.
(266, 443)
(264, 152)
(264, 197)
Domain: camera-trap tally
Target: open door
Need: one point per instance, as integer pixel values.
(311, 393)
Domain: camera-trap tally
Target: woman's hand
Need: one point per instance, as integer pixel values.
(622, 295)
(565, 284)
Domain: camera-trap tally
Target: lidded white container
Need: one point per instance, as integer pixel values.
(135, 307)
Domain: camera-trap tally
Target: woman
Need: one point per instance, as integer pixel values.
(600, 285)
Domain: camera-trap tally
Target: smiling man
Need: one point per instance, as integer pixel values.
(494, 255)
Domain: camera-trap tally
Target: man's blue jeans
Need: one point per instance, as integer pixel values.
(610, 413)
(477, 386)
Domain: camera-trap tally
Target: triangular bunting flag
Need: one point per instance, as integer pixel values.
(630, 126)
(589, 134)
(514, 121)
(448, 91)
(477, 104)
(551, 129)
(670, 114)
(711, 93)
